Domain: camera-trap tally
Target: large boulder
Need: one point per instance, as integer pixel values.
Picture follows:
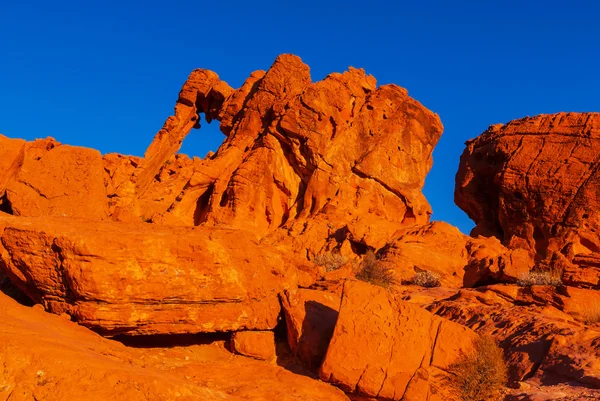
(534, 183)
(391, 349)
(145, 279)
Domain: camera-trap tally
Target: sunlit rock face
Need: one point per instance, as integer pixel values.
(534, 183)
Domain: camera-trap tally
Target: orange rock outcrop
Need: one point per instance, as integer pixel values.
(533, 183)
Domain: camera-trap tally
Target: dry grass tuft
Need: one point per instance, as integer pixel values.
(588, 313)
(330, 261)
(480, 375)
(540, 277)
(373, 271)
(426, 279)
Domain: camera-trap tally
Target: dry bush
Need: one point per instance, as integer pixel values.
(330, 261)
(588, 313)
(592, 315)
(373, 271)
(540, 277)
(426, 279)
(481, 374)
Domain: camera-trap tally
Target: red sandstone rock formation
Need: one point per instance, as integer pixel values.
(254, 344)
(533, 183)
(320, 162)
(544, 336)
(161, 247)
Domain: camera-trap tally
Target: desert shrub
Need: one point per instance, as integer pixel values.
(373, 271)
(481, 374)
(330, 261)
(540, 277)
(425, 278)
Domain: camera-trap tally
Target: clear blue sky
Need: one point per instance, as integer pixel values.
(106, 74)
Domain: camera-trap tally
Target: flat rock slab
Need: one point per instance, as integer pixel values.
(144, 279)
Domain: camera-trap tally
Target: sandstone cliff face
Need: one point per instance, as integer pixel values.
(534, 183)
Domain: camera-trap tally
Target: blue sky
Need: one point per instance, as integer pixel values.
(106, 74)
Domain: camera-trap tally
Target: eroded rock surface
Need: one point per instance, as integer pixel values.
(457, 259)
(541, 329)
(534, 183)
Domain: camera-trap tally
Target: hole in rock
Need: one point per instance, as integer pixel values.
(5, 205)
(208, 139)
(585, 216)
(518, 195)
(170, 340)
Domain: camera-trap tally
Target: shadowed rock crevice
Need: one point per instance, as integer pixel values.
(5, 206)
(171, 340)
(8, 288)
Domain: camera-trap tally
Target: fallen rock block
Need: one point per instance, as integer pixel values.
(255, 344)
(390, 349)
(310, 317)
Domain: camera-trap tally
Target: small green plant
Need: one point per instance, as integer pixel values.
(373, 271)
(426, 279)
(330, 261)
(481, 374)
